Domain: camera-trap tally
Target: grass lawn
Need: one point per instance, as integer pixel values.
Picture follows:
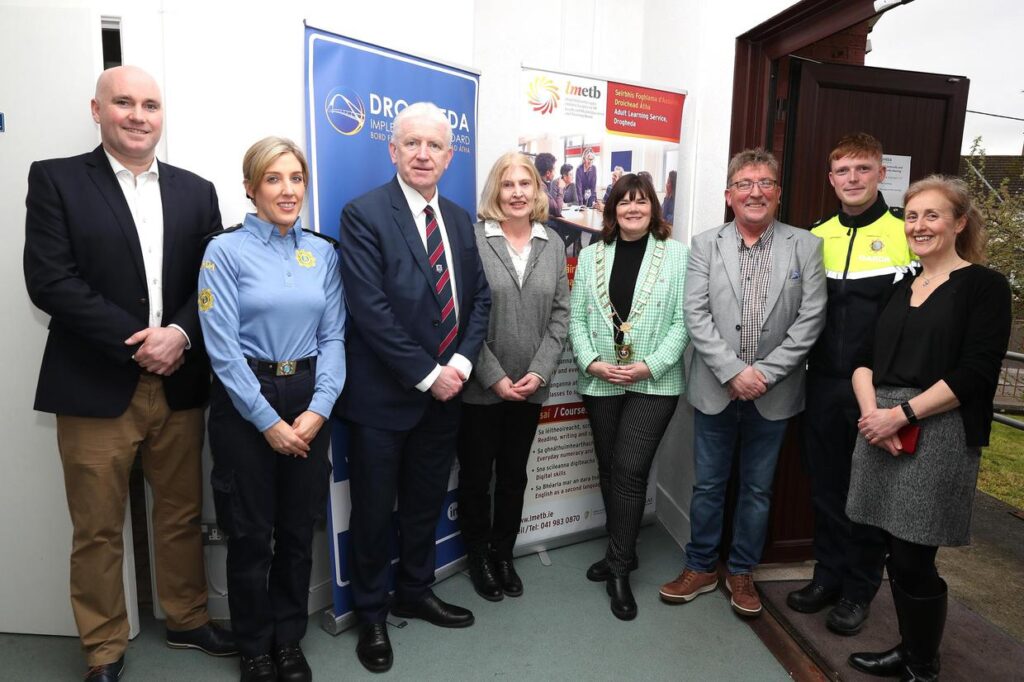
(1002, 465)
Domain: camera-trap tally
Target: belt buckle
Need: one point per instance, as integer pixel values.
(285, 368)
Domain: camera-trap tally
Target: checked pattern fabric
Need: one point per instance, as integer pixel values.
(442, 281)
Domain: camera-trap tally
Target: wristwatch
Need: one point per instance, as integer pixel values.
(908, 412)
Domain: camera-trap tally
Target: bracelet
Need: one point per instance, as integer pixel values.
(908, 412)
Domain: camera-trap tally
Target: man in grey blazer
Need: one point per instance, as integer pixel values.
(755, 304)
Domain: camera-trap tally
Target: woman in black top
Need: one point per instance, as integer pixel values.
(933, 365)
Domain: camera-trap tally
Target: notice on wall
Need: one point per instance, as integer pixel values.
(897, 178)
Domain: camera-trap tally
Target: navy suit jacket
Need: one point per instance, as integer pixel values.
(393, 330)
(83, 266)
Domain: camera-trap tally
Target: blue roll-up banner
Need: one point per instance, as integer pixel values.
(353, 92)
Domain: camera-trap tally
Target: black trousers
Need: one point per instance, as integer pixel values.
(413, 466)
(627, 431)
(268, 504)
(494, 437)
(849, 555)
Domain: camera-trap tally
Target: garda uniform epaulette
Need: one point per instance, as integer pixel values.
(330, 240)
(821, 221)
(217, 233)
(896, 211)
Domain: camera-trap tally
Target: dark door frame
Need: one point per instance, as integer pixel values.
(797, 27)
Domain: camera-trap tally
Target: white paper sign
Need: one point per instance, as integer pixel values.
(897, 178)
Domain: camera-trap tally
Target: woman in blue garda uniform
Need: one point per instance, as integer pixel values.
(270, 305)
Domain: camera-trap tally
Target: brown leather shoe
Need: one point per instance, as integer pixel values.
(745, 600)
(689, 585)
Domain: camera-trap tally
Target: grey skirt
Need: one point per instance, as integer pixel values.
(926, 497)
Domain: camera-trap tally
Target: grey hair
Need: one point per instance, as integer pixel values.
(752, 157)
(424, 110)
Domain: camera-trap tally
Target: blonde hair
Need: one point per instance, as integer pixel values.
(490, 198)
(971, 241)
(262, 154)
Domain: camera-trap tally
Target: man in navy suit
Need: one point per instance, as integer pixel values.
(112, 251)
(418, 306)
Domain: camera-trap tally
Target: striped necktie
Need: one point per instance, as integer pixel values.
(442, 281)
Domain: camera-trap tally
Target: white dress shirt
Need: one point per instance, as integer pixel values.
(417, 206)
(142, 192)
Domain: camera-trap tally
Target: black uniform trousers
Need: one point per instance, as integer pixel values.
(413, 466)
(627, 431)
(849, 555)
(263, 497)
(494, 437)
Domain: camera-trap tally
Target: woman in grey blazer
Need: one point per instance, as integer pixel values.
(525, 267)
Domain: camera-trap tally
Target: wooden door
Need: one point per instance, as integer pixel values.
(919, 115)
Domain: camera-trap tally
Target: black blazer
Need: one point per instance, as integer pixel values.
(83, 266)
(393, 326)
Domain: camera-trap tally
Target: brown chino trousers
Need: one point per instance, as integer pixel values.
(97, 455)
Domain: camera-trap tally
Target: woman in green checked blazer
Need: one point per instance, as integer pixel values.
(628, 335)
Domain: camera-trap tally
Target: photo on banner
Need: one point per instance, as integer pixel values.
(353, 91)
(592, 127)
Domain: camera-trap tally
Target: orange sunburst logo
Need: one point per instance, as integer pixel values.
(543, 94)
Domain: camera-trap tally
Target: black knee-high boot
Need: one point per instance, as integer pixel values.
(916, 658)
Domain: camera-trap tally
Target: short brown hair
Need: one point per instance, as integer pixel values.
(856, 145)
(490, 199)
(752, 157)
(630, 186)
(970, 243)
(262, 154)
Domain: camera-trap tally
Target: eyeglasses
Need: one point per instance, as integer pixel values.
(745, 186)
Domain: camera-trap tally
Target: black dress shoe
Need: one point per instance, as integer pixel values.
(811, 598)
(599, 571)
(510, 582)
(108, 672)
(889, 663)
(623, 603)
(847, 617)
(291, 664)
(374, 647)
(257, 668)
(211, 639)
(435, 611)
(481, 573)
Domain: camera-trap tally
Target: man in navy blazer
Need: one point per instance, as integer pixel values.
(418, 306)
(112, 251)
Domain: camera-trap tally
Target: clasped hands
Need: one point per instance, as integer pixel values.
(294, 439)
(880, 426)
(518, 391)
(620, 375)
(162, 351)
(750, 384)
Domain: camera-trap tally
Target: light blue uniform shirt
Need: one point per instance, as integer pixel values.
(272, 297)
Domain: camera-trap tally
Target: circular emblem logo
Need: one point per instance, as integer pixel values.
(305, 258)
(205, 300)
(877, 245)
(453, 511)
(345, 111)
(543, 95)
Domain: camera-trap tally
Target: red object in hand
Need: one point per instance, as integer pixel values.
(908, 437)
